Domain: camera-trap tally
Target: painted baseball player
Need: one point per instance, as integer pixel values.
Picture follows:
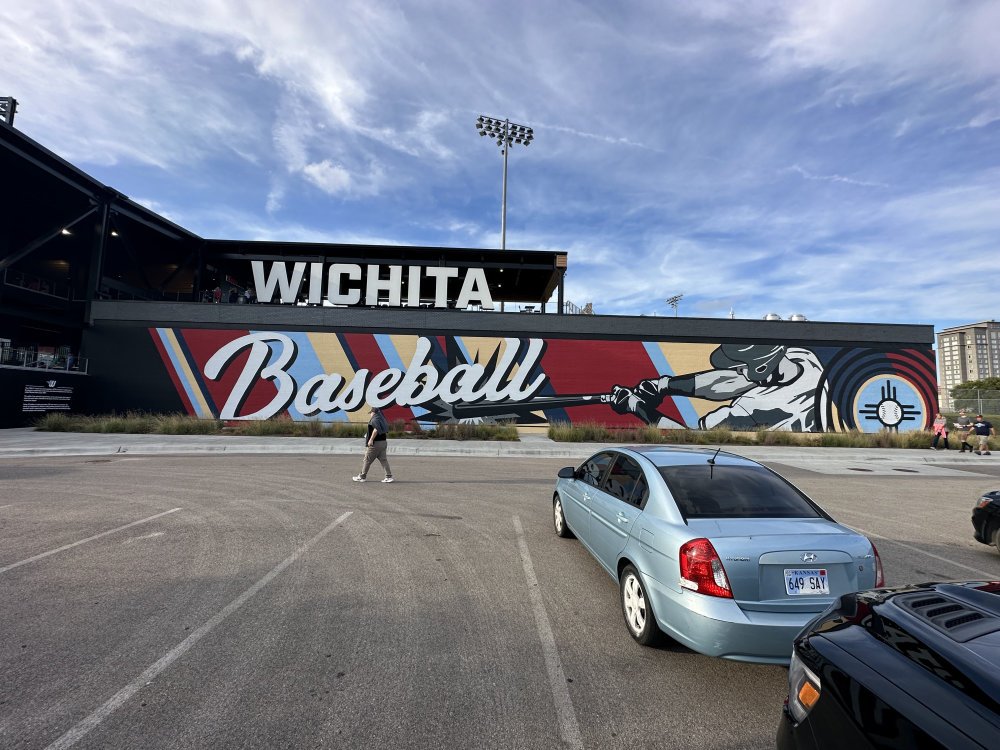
(777, 387)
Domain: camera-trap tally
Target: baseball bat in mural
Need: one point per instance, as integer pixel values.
(520, 411)
(242, 375)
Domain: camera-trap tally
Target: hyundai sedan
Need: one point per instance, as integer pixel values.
(716, 551)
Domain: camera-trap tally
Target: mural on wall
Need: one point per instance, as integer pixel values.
(250, 375)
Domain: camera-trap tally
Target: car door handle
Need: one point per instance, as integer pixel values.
(622, 518)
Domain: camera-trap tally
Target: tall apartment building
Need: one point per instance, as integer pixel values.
(969, 352)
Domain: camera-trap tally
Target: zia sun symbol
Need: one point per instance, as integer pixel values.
(889, 410)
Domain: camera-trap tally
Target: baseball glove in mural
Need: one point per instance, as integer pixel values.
(248, 375)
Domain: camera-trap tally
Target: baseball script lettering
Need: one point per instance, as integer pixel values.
(271, 354)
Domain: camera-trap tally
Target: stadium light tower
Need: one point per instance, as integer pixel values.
(674, 301)
(506, 134)
(8, 107)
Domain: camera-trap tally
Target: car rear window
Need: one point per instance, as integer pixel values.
(707, 491)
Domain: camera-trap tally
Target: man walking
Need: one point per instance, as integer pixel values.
(962, 425)
(983, 430)
(375, 445)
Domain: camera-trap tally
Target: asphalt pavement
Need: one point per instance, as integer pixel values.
(234, 592)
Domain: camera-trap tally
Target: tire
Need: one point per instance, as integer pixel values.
(559, 519)
(637, 609)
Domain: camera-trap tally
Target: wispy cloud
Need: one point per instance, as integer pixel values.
(836, 160)
(806, 174)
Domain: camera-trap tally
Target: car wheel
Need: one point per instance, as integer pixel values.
(559, 518)
(637, 609)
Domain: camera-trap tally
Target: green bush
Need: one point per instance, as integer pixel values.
(464, 431)
(586, 432)
(591, 432)
(184, 424)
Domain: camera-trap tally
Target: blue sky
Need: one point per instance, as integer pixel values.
(836, 160)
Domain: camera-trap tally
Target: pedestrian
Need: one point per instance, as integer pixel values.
(983, 430)
(217, 295)
(940, 430)
(962, 424)
(375, 444)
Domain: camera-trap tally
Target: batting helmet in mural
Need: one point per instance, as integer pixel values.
(761, 360)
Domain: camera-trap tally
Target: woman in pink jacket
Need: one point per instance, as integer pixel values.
(940, 430)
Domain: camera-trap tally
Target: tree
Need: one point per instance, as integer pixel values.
(986, 384)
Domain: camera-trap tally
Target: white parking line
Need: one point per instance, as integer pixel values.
(980, 573)
(84, 541)
(569, 730)
(118, 699)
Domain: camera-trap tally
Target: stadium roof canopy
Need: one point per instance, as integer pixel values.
(69, 239)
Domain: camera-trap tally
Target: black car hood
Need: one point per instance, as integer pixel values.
(950, 629)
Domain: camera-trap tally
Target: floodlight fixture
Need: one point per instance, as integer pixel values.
(8, 108)
(505, 133)
(674, 301)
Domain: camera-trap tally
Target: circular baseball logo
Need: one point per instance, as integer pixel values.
(890, 412)
(889, 401)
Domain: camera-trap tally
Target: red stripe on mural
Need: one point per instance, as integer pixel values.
(364, 349)
(168, 365)
(203, 344)
(915, 359)
(585, 367)
(918, 368)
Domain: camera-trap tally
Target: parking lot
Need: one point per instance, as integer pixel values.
(261, 601)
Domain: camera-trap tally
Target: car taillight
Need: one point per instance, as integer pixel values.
(702, 571)
(879, 576)
(804, 689)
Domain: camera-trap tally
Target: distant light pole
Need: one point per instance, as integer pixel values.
(506, 134)
(673, 302)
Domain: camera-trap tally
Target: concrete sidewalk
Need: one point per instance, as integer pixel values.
(29, 443)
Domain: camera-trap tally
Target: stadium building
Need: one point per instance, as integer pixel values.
(106, 306)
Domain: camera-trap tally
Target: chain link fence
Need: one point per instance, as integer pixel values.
(977, 402)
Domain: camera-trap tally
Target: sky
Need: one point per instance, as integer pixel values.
(839, 160)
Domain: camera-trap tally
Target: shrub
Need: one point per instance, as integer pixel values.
(466, 431)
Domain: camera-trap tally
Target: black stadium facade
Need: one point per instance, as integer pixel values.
(107, 307)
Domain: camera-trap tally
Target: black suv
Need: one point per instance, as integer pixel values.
(909, 667)
(986, 519)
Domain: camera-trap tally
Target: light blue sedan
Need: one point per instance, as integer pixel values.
(718, 552)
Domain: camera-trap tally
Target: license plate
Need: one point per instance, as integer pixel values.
(807, 581)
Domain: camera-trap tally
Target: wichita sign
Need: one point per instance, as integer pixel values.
(354, 284)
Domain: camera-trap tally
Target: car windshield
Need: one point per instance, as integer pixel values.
(707, 491)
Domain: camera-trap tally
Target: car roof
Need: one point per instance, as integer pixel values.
(683, 455)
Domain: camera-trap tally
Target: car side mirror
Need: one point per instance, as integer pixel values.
(567, 473)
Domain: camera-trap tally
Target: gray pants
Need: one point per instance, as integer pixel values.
(376, 450)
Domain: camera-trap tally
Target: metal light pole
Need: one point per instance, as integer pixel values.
(505, 133)
(673, 302)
